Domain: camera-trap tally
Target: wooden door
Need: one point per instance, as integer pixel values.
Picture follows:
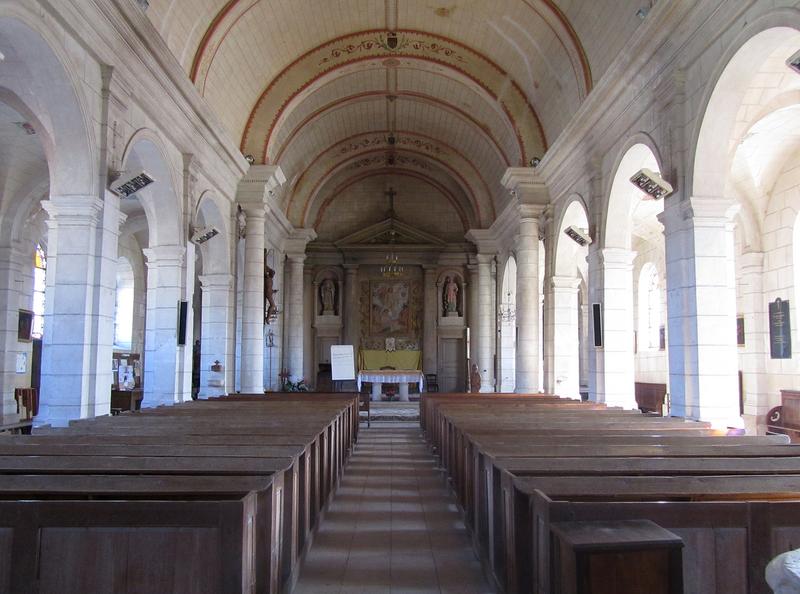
(451, 365)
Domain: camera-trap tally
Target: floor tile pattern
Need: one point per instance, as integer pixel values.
(393, 526)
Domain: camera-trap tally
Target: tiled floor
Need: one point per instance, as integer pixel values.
(393, 526)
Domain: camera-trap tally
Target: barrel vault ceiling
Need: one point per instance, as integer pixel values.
(451, 92)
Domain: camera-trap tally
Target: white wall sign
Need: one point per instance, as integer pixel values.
(22, 362)
(343, 362)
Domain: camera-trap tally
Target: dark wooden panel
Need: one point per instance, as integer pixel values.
(121, 560)
(6, 539)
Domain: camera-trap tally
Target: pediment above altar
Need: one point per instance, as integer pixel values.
(387, 232)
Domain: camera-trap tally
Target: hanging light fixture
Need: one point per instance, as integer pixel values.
(392, 267)
(507, 312)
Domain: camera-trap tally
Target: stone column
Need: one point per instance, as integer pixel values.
(217, 339)
(564, 368)
(253, 303)
(294, 315)
(11, 265)
(484, 325)
(701, 302)
(76, 377)
(351, 306)
(528, 300)
(617, 370)
(163, 360)
(431, 314)
(754, 355)
(310, 362)
(472, 318)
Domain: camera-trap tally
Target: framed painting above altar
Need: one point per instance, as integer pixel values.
(390, 313)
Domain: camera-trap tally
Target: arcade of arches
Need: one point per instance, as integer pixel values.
(456, 140)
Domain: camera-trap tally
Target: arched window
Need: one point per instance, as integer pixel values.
(123, 318)
(39, 284)
(649, 307)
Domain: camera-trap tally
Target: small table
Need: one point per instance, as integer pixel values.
(378, 377)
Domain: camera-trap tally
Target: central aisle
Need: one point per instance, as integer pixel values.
(392, 526)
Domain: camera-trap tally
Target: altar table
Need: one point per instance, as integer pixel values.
(378, 377)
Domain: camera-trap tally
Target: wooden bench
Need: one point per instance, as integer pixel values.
(184, 535)
(299, 444)
(491, 446)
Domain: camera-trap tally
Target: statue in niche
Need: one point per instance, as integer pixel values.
(450, 297)
(327, 294)
(271, 310)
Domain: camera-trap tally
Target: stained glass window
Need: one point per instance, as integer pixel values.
(39, 274)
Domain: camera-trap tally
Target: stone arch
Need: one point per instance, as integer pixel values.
(712, 148)
(39, 70)
(216, 252)
(622, 197)
(161, 200)
(566, 251)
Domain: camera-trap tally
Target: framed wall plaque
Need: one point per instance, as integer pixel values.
(780, 330)
(740, 330)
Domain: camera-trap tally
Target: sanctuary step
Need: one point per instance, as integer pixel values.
(394, 411)
(393, 525)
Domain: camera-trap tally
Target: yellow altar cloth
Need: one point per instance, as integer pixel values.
(373, 359)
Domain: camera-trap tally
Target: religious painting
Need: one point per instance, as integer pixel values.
(390, 312)
(24, 325)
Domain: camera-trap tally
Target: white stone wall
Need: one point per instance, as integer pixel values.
(652, 365)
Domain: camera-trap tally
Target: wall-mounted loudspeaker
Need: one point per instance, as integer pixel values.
(597, 324)
(183, 311)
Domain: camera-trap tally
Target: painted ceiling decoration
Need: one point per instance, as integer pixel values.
(413, 45)
(451, 92)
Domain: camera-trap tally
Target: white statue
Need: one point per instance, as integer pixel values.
(783, 573)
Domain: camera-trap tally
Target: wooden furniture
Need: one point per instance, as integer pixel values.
(126, 400)
(785, 419)
(431, 382)
(27, 402)
(521, 464)
(208, 496)
(363, 406)
(613, 557)
(650, 397)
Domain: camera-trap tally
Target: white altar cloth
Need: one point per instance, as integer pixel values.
(402, 377)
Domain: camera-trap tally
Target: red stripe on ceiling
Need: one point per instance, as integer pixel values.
(587, 74)
(381, 95)
(401, 172)
(460, 155)
(465, 185)
(283, 73)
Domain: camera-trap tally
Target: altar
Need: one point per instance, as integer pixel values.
(401, 377)
(389, 367)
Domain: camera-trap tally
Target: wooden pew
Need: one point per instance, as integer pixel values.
(208, 441)
(184, 535)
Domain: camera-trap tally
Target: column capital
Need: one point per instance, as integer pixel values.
(709, 209)
(564, 283)
(297, 241)
(526, 185)
(73, 210)
(216, 281)
(484, 240)
(752, 259)
(165, 255)
(617, 258)
(351, 269)
(484, 259)
(259, 185)
(430, 269)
